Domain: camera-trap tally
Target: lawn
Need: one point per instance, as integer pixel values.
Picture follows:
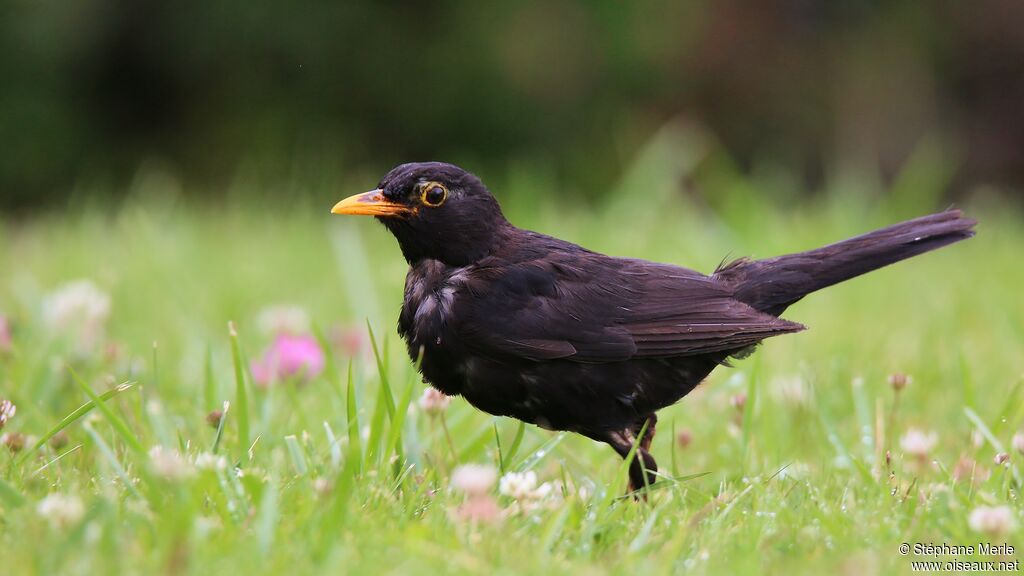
(804, 457)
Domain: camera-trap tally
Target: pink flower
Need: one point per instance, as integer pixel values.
(5, 334)
(684, 438)
(7, 411)
(993, 521)
(918, 443)
(1018, 442)
(433, 401)
(351, 342)
(478, 509)
(738, 401)
(289, 356)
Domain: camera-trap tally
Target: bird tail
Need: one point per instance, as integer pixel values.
(773, 284)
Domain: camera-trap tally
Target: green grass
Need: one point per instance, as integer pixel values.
(341, 475)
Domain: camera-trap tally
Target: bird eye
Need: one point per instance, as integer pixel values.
(433, 194)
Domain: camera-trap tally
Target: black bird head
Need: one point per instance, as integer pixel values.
(435, 210)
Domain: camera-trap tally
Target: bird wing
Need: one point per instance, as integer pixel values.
(593, 308)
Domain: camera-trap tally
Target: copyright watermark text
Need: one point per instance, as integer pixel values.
(942, 557)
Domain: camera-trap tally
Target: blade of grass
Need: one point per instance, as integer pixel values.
(984, 429)
(750, 407)
(674, 442)
(732, 504)
(395, 436)
(377, 421)
(220, 426)
(108, 453)
(662, 484)
(383, 410)
(71, 418)
(636, 444)
(1010, 407)
(9, 495)
(841, 449)
(336, 511)
(116, 421)
(241, 395)
(209, 384)
(401, 477)
(517, 441)
(475, 446)
(862, 407)
(497, 441)
(352, 422)
(642, 537)
(56, 459)
(295, 451)
(618, 483)
(383, 373)
(398, 421)
(267, 523)
(333, 445)
(540, 453)
(987, 433)
(554, 530)
(415, 498)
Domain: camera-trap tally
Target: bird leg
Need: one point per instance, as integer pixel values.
(643, 469)
(648, 434)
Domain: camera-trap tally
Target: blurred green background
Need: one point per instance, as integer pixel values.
(293, 95)
(180, 158)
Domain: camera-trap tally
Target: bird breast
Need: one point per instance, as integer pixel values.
(426, 323)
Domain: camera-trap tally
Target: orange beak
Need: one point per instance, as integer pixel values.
(372, 203)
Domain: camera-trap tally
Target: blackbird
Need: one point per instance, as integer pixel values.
(525, 325)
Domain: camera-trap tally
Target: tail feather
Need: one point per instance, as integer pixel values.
(774, 284)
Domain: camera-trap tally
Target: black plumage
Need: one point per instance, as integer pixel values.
(536, 328)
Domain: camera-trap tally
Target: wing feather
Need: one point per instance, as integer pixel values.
(603, 309)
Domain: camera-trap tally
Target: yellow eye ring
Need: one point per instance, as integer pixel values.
(433, 194)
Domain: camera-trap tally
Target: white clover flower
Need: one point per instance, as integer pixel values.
(791, 390)
(206, 525)
(547, 489)
(1018, 442)
(918, 443)
(433, 401)
(584, 493)
(170, 463)
(7, 411)
(208, 461)
(322, 487)
(992, 520)
(283, 319)
(61, 510)
(78, 309)
(1001, 458)
(474, 479)
(518, 485)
